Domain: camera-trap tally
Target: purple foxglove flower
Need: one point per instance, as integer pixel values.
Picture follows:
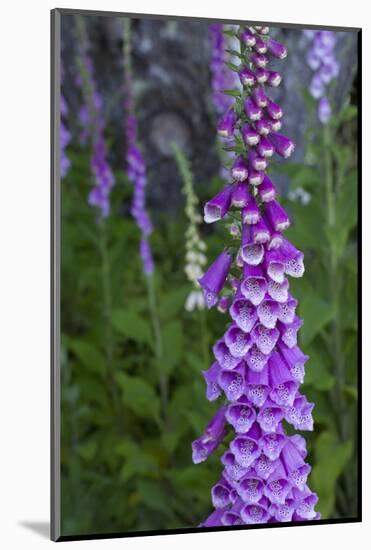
(283, 512)
(276, 241)
(265, 149)
(267, 312)
(264, 466)
(260, 232)
(282, 145)
(220, 494)
(255, 177)
(276, 125)
(305, 507)
(274, 110)
(247, 77)
(260, 45)
(254, 513)
(300, 414)
(251, 488)
(324, 110)
(274, 263)
(267, 191)
(289, 331)
(240, 196)
(277, 487)
(249, 135)
(258, 163)
(272, 444)
(210, 440)
(274, 79)
(277, 216)
(257, 388)
(214, 279)
(297, 470)
(239, 170)
(287, 310)
(260, 97)
(222, 354)
(243, 313)
(259, 365)
(264, 127)
(227, 124)
(270, 415)
(241, 416)
(295, 360)
(276, 48)
(261, 75)
(252, 253)
(223, 304)
(232, 469)
(259, 60)
(284, 386)
(213, 390)
(254, 285)
(265, 338)
(253, 112)
(231, 517)
(256, 359)
(214, 519)
(238, 342)
(248, 38)
(294, 265)
(221, 77)
(279, 292)
(251, 212)
(245, 450)
(232, 382)
(217, 207)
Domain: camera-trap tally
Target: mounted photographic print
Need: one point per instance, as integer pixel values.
(205, 191)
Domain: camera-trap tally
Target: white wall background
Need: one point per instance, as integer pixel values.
(24, 272)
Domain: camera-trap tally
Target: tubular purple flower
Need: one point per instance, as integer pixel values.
(217, 208)
(213, 390)
(250, 213)
(277, 216)
(282, 144)
(247, 77)
(227, 123)
(211, 438)
(259, 366)
(240, 196)
(239, 170)
(276, 48)
(214, 279)
(249, 135)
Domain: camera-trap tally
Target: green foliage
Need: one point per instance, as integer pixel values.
(133, 400)
(325, 229)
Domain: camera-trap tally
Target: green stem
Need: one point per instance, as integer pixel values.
(107, 310)
(204, 337)
(158, 341)
(339, 404)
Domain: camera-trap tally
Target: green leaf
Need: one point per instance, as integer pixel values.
(152, 495)
(88, 449)
(88, 354)
(137, 461)
(131, 325)
(139, 396)
(232, 93)
(317, 369)
(316, 314)
(232, 66)
(173, 301)
(173, 340)
(331, 457)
